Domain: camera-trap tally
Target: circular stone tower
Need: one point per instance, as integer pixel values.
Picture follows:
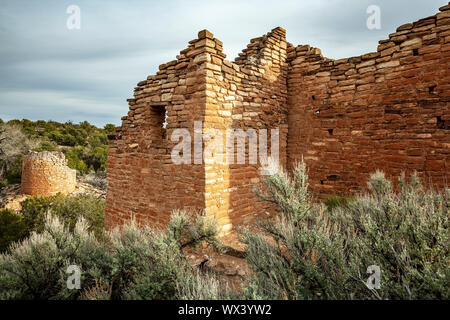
(46, 173)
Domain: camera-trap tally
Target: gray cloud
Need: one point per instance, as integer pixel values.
(50, 72)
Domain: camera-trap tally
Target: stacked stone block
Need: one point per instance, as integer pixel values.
(46, 173)
(384, 110)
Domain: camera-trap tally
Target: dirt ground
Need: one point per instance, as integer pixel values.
(230, 266)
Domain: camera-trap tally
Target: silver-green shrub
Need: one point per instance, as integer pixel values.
(199, 285)
(35, 268)
(131, 263)
(96, 179)
(314, 253)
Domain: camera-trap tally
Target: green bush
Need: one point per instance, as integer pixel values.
(150, 264)
(154, 279)
(12, 228)
(133, 263)
(74, 159)
(35, 269)
(14, 174)
(85, 159)
(72, 208)
(84, 145)
(96, 179)
(199, 285)
(314, 253)
(68, 208)
(47, 145)
(14, 144)
(335, 201)
(34, 210)
(3, 183)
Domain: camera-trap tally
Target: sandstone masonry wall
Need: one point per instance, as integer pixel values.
(385, 110)
(199, 86)
(144, 183)
(248, 94)
(46, 174)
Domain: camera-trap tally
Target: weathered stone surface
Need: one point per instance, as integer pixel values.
(47, 173)
(205, 34)
(345, 118)
(407, 26)
(389, 64)
(445, 8)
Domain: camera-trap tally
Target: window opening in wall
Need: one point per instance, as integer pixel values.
(442, 124)
(164, 124)
(330, 131)
(159, 113)
(416, 52)
(431, 89)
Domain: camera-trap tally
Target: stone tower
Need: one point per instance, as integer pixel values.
(46, 173)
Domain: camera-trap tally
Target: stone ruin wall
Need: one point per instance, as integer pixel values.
(199, 86)
(46, 173)
(249, 93)
(144, 183)
(385, 110)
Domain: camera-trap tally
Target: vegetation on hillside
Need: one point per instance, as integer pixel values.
(84, 145)
(15, 226)
(12, 228)
(134, 263)
(312, 252)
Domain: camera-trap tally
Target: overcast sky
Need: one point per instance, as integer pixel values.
(49, 72)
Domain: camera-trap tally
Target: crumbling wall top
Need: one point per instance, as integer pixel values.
(56, 158)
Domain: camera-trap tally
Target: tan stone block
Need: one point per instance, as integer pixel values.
(205, 34)
(180, 89)
(205, 43)
(443, 22)
(213, 67)
(166, 97)
(205, 57)
(169, 85)
(191, 81)
(407, 26)
(216, 60)
(416, 42)
(181, 65)
(389, 64)
(367, 69)
(211, 94)
(224, 113)
(443, 15)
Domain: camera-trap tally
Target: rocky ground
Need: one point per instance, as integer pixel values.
(11, 197)
(230, 266)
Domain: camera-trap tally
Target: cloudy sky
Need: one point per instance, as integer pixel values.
(49, 72)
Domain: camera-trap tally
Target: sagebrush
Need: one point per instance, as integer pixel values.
(314, 253)
(132, 263)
